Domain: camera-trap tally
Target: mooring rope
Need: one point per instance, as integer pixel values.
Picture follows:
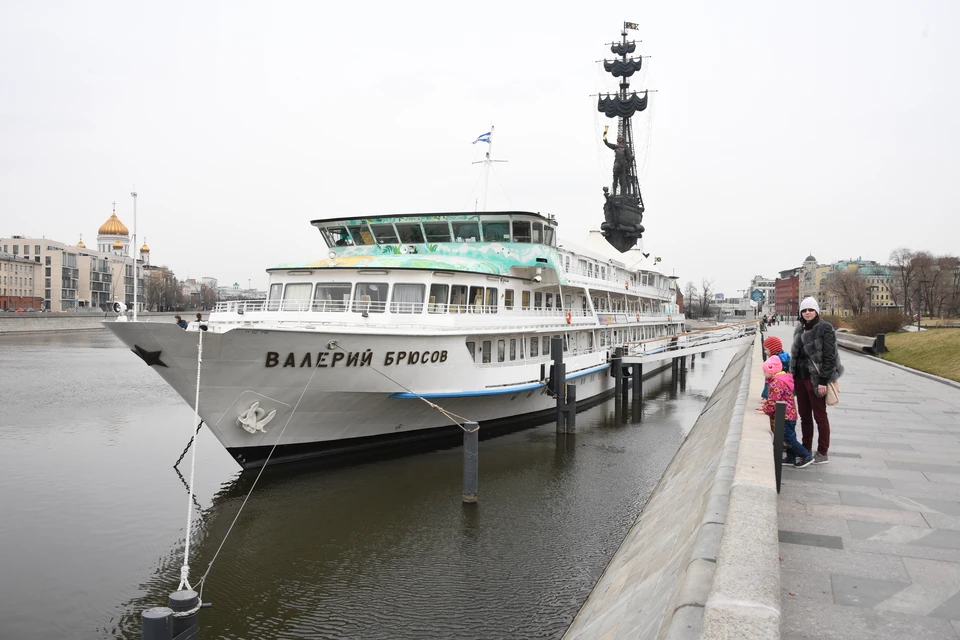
(185, 569)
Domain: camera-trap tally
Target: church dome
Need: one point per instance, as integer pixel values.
(113, 226)
(810, 258)
(144, 248)
(80, 244)
(118, 245)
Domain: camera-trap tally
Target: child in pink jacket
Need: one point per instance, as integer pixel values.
(780, 387)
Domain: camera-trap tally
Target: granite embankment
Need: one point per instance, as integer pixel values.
(43, 322)
(702, 558)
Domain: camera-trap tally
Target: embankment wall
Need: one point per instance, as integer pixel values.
(702, 558)
(42, 322)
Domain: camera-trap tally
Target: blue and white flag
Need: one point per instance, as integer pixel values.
(483, 137)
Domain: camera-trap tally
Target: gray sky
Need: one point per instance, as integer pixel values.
(779, 129)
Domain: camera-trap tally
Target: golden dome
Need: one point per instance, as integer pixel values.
(80, 244)
(117, 245)
(113, 226)
(144, 248)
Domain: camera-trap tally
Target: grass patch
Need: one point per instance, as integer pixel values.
(935, 351)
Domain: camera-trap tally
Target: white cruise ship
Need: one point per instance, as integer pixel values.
(458, 309)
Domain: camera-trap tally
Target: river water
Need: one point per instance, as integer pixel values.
(94, 516)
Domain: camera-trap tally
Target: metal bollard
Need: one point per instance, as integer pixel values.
(471, 454)
(879, 344)
(571, 408)
(187, 627)
(637, 382)
(157, 624)
(780, 415)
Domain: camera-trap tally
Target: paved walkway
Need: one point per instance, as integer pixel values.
(870, 543)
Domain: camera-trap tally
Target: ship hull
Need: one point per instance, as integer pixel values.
(306, 393)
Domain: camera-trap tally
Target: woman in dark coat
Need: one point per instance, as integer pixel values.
(815, 362)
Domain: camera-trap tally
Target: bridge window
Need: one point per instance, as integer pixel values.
(332, 296)
(437, 231)
(410, 233)
(438, 298)
(496, 231)
(273, 299)
(521, 231)
(407, 298)
(548, 236)
(370, 297)
(537, 234)
(466, 231)
(361, 234)
(337, 237)
(384, 233)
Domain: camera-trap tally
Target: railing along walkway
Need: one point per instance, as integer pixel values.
(690, 343)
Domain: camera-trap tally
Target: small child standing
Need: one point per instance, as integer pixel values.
(780, 388)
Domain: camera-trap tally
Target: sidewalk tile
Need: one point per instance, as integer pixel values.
(813, 620)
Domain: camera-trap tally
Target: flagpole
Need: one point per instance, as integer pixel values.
(486, 168)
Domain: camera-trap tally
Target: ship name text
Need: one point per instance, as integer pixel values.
(326, 359)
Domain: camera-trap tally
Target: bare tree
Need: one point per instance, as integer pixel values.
(706, 293)
(851, 288)
(903, 277)
(690, 301)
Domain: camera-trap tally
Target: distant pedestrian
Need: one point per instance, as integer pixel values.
(780, 386)
(199, 317)
(815, 362)
(180, 322)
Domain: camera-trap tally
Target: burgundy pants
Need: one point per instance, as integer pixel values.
(808, 403)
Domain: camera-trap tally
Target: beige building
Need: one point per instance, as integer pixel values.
(17, 277)
(72, 277)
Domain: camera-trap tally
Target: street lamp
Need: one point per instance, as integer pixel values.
(133, 252)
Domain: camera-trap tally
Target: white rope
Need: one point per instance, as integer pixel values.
(185, 569)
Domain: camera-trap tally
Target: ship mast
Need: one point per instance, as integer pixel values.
(487, 162)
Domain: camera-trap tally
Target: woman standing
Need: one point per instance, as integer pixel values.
(815, 363)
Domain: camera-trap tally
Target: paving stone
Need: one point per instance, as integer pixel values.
(923, 466)
(942, 538)
(846, 562)
(841, 479)
(949, 609)
(837, 454)
(867, 514)
(870, 445)
(945, 574)
(859, 529)
(806, 584)
(812, 539)
(856, 499)
(814, 620)
(808, 524)
(857, 591)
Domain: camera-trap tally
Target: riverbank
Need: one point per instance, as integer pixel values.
(15, 323)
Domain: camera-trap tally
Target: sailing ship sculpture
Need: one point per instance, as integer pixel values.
(623, 208)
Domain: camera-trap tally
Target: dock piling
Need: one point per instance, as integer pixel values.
(471, 454)
(186, 627)
(157, 624)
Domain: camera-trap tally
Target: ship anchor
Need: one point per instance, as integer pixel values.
(252, 420)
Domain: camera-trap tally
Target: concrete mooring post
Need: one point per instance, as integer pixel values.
(471, 455)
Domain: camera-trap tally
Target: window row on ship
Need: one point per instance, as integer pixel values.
(517, 348)
(413, 298)
(435, 231)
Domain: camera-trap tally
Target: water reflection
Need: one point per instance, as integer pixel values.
(377, 549)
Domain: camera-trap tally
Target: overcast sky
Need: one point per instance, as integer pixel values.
(778, 129)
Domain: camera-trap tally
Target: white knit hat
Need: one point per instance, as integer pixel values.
(810, 303)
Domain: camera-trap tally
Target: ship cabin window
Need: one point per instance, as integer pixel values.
(361, 234)
(545, 343)
(513, 349)
(525, 299)
(548, 236)
(549, 301)
(273, 299)
(384, 233)
(437, 231)
(332, 296)
(582, 267)
(496, 231)
(590, 269)
(466, 231)
(501, 350)
(438, 298)
(458, 298)
(296, 296)
(508, 299)
(566, 263)
(410, 232)
(521, 231)
(537, 234)
(337, 237)
(492, 300)
(534, 347)
(603, 273)
(407, 298)
(538, 300)
(370, 297)
(568, 301)
(485, 352)
(472, 349)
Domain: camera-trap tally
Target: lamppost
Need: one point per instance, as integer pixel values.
(920, 286)
(133, 252)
